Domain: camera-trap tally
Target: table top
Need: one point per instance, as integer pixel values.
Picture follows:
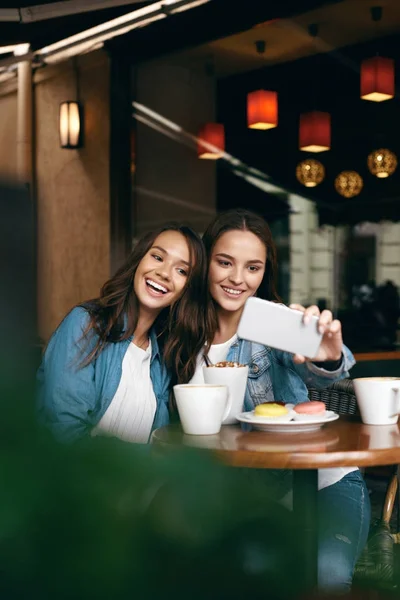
(345, 442)
(372, 356)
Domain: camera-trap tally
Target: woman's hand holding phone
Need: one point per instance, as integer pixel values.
(331, 346)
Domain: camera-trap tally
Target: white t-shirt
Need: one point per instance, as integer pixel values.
(131, 413)
(218, 353)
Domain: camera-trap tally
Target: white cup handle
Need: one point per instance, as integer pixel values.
(228, 407)
(397, 403)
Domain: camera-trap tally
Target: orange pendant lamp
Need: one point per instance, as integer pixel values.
(211, 141)
(315, 131)
(262, 110)
(377, 79)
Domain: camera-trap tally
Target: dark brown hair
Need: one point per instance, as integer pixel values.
(239, 219)
(180, 327)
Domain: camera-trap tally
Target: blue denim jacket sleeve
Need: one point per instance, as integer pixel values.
(314, 376)
(161, 379)
(67, 392)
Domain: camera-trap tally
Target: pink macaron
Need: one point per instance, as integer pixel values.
(314, 407)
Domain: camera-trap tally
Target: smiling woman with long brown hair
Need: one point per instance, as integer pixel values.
(242, 262)
(107, 367)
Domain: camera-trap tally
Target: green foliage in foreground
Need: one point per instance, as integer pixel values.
(104, 519)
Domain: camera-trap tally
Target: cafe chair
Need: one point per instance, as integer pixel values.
(339, 397)
(376, 564)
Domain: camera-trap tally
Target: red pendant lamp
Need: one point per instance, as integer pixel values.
(315, 131)
(377, 79)
(262, 109)
(377, 73)
(211, 141)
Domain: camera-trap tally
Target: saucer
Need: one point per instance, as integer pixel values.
(263, 424)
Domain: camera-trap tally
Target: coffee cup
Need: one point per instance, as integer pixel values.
(378, 399)
(236, 380)
(202, 408)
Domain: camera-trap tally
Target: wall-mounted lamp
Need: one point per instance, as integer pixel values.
(71, 125)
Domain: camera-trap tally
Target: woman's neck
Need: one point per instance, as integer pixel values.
(227, 325)
(143, 326)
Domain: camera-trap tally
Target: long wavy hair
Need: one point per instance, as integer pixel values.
(239, 219)
(180, 328)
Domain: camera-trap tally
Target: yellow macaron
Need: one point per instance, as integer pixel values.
(270, 409)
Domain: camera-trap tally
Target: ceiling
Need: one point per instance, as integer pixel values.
(340, 24)
(43, 33)
(213, 21)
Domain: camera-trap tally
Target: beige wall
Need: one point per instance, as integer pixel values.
(72, 191)
(72, 186)
(8, 135)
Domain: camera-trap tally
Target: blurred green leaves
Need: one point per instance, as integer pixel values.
(105, 519)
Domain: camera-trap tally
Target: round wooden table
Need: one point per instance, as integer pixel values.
(345, 442)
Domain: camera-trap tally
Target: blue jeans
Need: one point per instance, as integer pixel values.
(344, 514)
(344, 518)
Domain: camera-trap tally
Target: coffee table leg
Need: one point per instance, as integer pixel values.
(305, 490)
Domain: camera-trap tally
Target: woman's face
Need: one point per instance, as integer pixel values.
(237, 268)
(163, 272)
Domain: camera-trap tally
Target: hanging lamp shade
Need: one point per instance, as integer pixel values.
(377, 79)
(382, 163)
(349, 184)
(310, 172)
(315, 131)
(262, 109)
(211, 141)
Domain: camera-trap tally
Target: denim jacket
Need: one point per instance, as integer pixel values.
(274, 376)
(71, 399)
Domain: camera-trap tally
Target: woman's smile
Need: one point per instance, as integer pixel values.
(237, 268)
(156, 289)
(232, 292)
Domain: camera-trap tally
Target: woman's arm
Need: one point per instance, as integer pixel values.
(317, 374)
(334, 359)
(66, 391)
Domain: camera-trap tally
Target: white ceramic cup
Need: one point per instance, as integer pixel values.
(378, 399)
(202, 408)
(236, 380)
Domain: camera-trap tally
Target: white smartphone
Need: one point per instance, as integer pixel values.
(280, 327)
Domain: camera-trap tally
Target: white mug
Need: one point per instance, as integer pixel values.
(236, 380)
(202, 408)
(378, 399)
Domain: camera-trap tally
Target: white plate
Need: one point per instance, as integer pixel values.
(289, 426)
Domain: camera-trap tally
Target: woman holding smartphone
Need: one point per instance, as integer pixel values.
(242, 263)
(106, 369)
